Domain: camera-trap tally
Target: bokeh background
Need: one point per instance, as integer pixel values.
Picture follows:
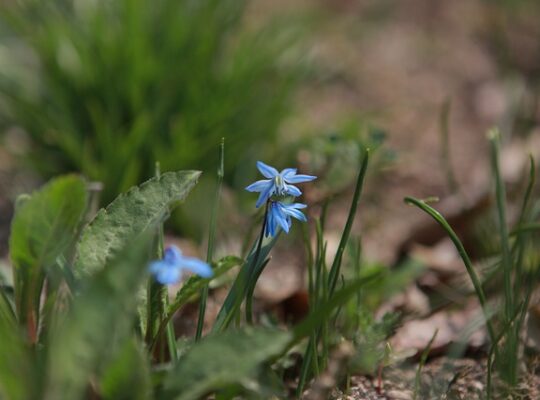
(107, 88)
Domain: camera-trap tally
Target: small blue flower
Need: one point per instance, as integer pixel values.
(279, 215)
(170, 269)
(278, 183)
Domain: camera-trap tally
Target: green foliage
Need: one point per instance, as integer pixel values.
(194, 284)
(87, 343)
(370, 341)
(327, 309)
(246, 278)
(192, 287)
(88, 337)
(127, 377)
(109, 87)
(98, 323)
(15, 358)
(131, 213)
(504, 324)
(218, 361)
(337, 155)
(89, 346)
(43, 229)
(392, 281)
(323, 286)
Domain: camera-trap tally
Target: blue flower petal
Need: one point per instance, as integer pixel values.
(299, 178)
(169, 270)
(172, 254)
(270, 225)
(260, 186)
(292, 190)
(288, 172)
(157, 266)
(267, 171)
(197, 266)
(282, 220)
(297, 205)
(165, 272)
(295, 214)
(277, 184)
(169, 275)
(264, 196)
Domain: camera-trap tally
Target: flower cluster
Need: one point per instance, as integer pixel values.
(279, 184)
(170, 269)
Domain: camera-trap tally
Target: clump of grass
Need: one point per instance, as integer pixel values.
(504, 321)
(107, 87)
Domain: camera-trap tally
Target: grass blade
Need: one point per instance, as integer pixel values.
(500, 193)
(211, 237)
(463, 254)
(336, 265)
(423, 359)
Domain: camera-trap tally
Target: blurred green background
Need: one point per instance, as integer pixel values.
(110, 87)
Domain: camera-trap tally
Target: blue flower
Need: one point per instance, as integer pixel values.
(170, 269)
(278, 183)
(279, 215)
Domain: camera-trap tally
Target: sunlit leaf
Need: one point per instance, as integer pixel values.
(130, 214)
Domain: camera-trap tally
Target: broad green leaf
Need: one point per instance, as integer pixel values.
(43, 228)
(130, 214)
(220, 360)
(99, 322)
(128, 375)
(15, 365)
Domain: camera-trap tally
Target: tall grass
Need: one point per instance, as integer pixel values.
(108, 87)
(505, 318)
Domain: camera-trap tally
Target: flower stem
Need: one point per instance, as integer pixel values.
(252, 280)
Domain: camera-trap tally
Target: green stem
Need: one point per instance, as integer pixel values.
(520, 238)
(252, 279)
(156, 298)
(211, 237)
(495, 343)
(310, 266)
(171, 337)
(423, 359)
(444, 123)
(525, 228)
(500, 193)
(250, 291)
